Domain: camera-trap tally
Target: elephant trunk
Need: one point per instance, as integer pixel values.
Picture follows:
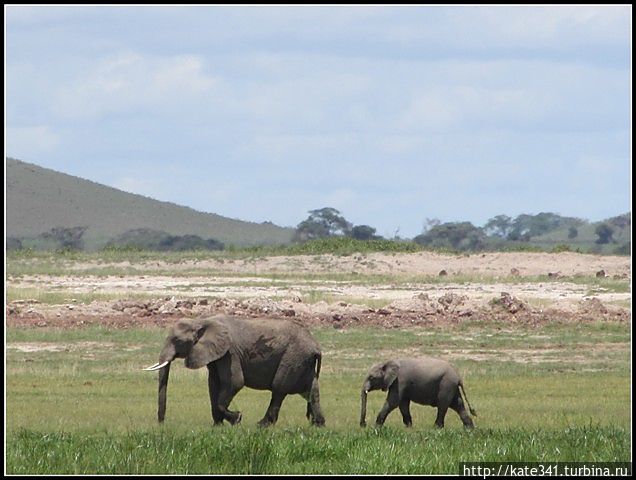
(164, 373)
(167, 355)
(363, 401)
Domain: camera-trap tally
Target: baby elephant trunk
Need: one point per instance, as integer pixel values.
(363, 404)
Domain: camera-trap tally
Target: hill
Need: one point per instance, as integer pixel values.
(39, 200)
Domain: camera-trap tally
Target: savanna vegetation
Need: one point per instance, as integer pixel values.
(77, 402)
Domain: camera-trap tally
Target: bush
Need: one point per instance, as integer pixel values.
(148, 239)
(364, 232)
(65, 238)
(460, 236)
(14, 243)
(604, 232)
(624, 249)
(339, 245)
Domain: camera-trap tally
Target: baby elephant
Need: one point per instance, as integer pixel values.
(426, 380)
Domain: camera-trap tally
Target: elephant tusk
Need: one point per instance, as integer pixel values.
(157, 366)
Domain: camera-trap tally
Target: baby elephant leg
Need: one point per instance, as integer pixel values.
(441, 413)
(405, 410)
(458, 406)
(391, 403)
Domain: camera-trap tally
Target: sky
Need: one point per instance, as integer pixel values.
(392, 115)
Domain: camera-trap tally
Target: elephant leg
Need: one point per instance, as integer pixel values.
(458, 406)
(314, 412)
(308, 412)
(271, 415)
(391, 403)
(405, 410)
(448, 390)
(225, 398)
(314, 405)
(213, 383)
(442, 408)
(441, 413)
(230, 383)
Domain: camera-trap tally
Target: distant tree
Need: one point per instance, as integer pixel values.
(148, 239)
(309, 230)
(139, 238)
(430, 223)
(499, 226)
(573, 232)
(604, 232)
(525, 226)
(624, 249)
(364, 232)
(323, 222)
(14, 243)
(181, 243)
(459, 236)
(66, 237)
(213, 244)
(621, 221)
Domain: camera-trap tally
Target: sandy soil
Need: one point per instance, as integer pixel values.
(423, 263)
(195, 291)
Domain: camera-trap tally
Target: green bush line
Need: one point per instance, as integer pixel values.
(304, 450)
(341, 246)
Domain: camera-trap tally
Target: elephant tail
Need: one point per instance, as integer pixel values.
(318, 359)
(472, 411)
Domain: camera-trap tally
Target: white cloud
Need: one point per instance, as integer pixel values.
(129, 81)
(499, 28)
(443, 108)
(31, 142)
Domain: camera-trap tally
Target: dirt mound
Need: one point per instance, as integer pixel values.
(473, 289)
(593, 308)
(451, 302)
(509, 303)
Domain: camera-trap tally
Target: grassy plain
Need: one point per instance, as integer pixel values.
(77, 402)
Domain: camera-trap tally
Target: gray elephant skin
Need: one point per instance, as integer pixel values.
(425, 380)
(264, 354)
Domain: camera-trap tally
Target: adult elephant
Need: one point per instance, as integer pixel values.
(425, 380)
(264, 354)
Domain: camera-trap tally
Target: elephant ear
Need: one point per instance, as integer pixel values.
(213, 342)
(390, 369)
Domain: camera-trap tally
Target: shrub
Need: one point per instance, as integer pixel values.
(148, 239)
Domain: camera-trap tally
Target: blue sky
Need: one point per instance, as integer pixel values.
(392, 115)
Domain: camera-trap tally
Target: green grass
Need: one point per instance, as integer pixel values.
(333, 245)
(304, 450)
(78, 402)
(63, 296)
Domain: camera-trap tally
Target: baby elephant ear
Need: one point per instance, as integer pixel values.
(213, 342)
(390, 373)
